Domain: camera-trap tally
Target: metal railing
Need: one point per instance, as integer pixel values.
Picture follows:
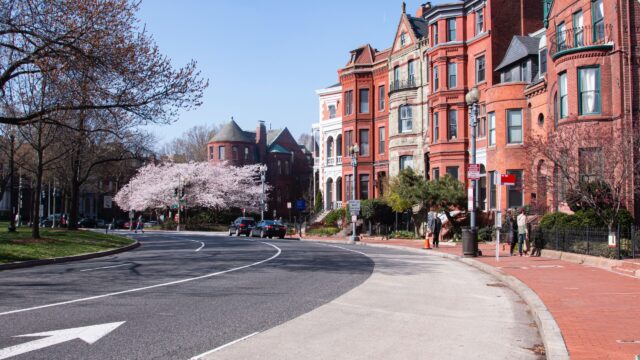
(409, 83)
(330, 161)
(591, 241)
(578, 37)
(339, 160)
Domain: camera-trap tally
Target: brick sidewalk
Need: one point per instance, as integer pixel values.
(598, 311)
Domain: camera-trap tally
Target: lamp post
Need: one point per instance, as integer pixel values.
(263, 178)
(472, 98)
(12, 199)
(355, 149)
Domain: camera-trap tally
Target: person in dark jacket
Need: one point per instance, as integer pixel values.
(511, 226)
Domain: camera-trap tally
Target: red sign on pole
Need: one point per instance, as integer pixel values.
(507, 179)
(473, 171)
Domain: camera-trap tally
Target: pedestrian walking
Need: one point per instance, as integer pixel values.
(522, 232)
(434, 228)
(512, 231)
(139, 225)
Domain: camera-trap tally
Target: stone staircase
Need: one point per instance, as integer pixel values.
(628, 267)
(318, 218)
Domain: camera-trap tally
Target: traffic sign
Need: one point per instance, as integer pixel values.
(473, 171)
(301, 204)
(508, 179)
(354, 207)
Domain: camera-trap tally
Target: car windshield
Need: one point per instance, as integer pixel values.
(247, 222)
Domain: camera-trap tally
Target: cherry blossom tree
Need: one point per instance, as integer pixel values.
(204, 185)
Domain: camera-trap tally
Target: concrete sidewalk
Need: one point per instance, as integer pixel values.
(598, 311)
(413, 306)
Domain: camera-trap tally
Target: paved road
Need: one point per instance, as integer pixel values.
(170, 293)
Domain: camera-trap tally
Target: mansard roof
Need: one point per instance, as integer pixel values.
(520, 48)
(419, 26)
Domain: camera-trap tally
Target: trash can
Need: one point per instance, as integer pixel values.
(469, 242)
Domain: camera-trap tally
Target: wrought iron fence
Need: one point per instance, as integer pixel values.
(409, 83)
(591, 241)
(577, 37)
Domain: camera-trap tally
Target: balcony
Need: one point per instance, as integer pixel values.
(398, 85)
(585, 38)
(330, 161)
(339, 160)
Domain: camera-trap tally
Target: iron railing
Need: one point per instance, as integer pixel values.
(591, 241)
(579, 37)
(397, 85)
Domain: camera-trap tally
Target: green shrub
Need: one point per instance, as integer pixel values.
(486, 233)
(323, 231)
(169, 224)
(332, 217)
(584, 218)
(402, 234)
(553, 220)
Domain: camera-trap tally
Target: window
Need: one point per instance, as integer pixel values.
(542, 60)
(403, 39)
(452, 125)
(348, 140)
(406, 124)
(246, 153)
(492, 189)
(332, 111)
(279, 167)
(480, 71)
(364, 101)
(540, 119)
(286, 167)
(339, 145)
(406, 162)
(452, 73)
(411, 72)
(492, 128)
(436, 127)
(514, 126)
(381, 98)
(436, 173)
(589, 87)
(515, 193)
(234, 152)
(578, 29)
(396, 77)
(597, 17)
(210, 152)
(381, 140)
(348, 102)
(482, 124)
(451, 29)
(364, 142)
(436, 78)
(479, 21)
(561, 36)
(435, 34)
(452, 171)
(364, 187)
(564, 100)
(221, 152)
(555, 109)
(590, 164)
(348, 186)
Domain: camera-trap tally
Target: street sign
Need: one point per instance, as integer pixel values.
(301, 204)
(354, 207)
(507, 179)
(108, 202)
(473, 171)
(354, 218)
(498, 220)
(289, 205)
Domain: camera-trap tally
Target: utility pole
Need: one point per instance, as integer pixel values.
(355, 149)
(472, 98)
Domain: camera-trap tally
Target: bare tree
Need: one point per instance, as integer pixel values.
(191, 145)
(306, 140)
(594, 163)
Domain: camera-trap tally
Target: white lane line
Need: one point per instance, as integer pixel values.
(106, 267)
(340, 247)
(279, 251)
(223, 346)
(174, 241)
(201, 245)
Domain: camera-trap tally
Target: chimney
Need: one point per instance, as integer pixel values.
(404, 7)
(261, 141)
(423, 9)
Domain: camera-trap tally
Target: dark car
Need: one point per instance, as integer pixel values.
(269, 228)
(242, 226)
(87, 223)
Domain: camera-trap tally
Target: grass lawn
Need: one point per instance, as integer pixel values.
(19, 246)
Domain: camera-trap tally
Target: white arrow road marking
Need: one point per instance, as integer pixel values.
(88, 334)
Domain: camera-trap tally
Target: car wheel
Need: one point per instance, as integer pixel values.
(230, 232)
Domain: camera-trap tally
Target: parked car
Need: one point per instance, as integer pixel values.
(87, 223)
(101, 223)
(242, 226)
(269, 228)
(48, 221)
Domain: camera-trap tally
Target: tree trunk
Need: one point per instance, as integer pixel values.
(73, 207)
(35, 212)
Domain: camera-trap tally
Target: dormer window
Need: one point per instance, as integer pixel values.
(403, 39)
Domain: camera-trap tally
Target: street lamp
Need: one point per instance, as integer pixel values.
(470, 242)
(263, 178)
(12, 199)
(354, 150)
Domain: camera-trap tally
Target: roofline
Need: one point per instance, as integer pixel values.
(326, 91)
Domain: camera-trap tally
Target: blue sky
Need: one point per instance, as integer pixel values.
(265, 58)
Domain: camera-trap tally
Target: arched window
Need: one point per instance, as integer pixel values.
(339, 145)
(540, 119)
(279, 167)
(234, 151)
(246, 153)
(555, 109)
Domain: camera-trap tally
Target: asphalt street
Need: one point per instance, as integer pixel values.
(175, 297)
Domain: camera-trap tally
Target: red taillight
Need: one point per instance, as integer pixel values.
(269, 227)
(242, 225)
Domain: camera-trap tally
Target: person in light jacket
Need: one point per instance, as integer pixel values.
(522, 232)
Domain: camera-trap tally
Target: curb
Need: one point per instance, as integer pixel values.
(550, 333)
(30, 263)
